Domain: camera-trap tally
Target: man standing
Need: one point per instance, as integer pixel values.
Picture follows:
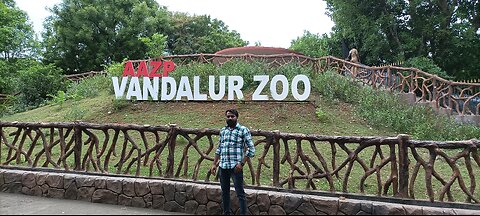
(234, 138)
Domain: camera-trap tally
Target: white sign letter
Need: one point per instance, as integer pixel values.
(237, 89)
(119, 90)
(184, 89)
(166, 81)
(211, 88)
(196, 90)
(134, 89)
(148, 89)
(306, 92)
(273, 87)
(263, 82)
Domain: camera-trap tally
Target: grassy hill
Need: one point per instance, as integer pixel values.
(339, 107)
(299, 117)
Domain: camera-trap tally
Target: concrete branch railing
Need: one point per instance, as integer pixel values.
(385, 166)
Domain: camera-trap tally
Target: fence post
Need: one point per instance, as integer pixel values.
(389, 77)
(434, 91)
(77, 151)
(403, 163)
(276, 158)
(171, 150)
(450, 99)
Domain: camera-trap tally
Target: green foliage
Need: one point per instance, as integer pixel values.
(89, 88)
(6, 84)
(384, 109)
(392, 31)
(333, 87)
(119, 104)
(37, 82)
(76, 113)
(58, 98)
(201, 34)
(322, 115)
(83, 35)
(426, 65)
(312, 45)
(17, 38)
(155, 45)
(115, 69)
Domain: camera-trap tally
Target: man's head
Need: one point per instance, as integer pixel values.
(232, 117)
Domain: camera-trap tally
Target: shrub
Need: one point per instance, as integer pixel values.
(76, 113)
(427, 65)
(119, 104)
(383, 109)
(88, 88)
(37, 82)
(322, 116)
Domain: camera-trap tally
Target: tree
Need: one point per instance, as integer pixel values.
(18, 45)
(312, 45)
(201, 34)
(445, 31)
(17, 38)
(85, 35)
(32, 83)
(156, 45)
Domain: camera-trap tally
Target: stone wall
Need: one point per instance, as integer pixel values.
(192, 198)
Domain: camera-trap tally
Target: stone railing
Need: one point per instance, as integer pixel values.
(385, 166)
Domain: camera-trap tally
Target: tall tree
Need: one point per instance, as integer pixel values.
(201, 34)
(17, 38)
(18, 45)
(84, 35)
(446, 31)
(313, 45)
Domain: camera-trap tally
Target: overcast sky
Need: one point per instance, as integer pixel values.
(272, 23)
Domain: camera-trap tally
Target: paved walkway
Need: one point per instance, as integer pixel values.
(18, 204)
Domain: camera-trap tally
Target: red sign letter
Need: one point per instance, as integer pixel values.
(168, 66)
(156, 65)
(128, 70)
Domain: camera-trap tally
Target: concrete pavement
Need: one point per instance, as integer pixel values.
(18, 204)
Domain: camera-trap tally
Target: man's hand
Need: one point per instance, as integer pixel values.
(213, 169)
(238, 168)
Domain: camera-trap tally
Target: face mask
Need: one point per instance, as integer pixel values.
(231, 122)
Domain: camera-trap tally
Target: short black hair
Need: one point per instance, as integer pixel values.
(233, 111)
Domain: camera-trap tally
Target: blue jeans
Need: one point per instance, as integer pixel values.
(225, 175)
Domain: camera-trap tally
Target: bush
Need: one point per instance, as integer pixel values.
(119, 104)
(383, 109)
(313, 45)
(76, 113)
(427, 65)
(37, 82)
(90, 87)
(322, 115)
(5, 78)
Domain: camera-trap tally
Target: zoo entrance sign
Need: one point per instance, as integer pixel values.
(152, 82)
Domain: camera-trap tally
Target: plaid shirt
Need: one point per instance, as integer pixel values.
(231, 147)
